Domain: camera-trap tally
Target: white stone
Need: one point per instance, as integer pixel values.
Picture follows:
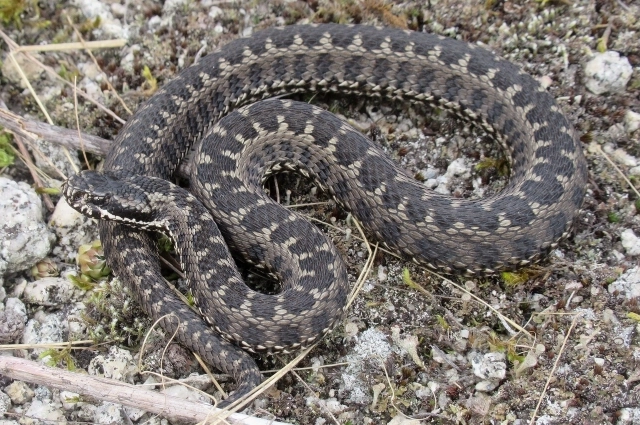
(631, 121)
(109, 25)
(19, 392)
(70, 400)
(486, 386)
(30, 69)
(171, 5)
(118, 10)
(214, 12)
(49, 291)
(12, 320)
(186, 393)
(403, 420)
(489, 365)
(628, 415)
(628, 284)
(44, 328)
(72, 229)
(117, 364)
(108, 413)
(622, 157)
(607, 72)
(630, 242)
(24, 237)
(5, 403)
(46, 411)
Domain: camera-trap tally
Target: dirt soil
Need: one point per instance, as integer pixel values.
(565, 343)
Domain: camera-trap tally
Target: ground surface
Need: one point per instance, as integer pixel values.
(470, 365)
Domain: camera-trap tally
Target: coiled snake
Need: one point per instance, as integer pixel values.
(512, 228)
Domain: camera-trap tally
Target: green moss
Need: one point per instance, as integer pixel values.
(10, 11)
(501, 165)
(59, 357)
(613, 217)
(514, 278)
(151, 83)
(7, 153)
(113, 316)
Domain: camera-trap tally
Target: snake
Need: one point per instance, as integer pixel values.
(227, 107)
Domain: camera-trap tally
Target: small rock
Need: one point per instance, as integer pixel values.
(108, 413)
(5, 403)
(46, 411)
(49, 291)
(631, 121)
(214, 12)
(25, 238)
(488, 366)
(117, 364)
(44, 328)
(31, 70)
(330, 404)
(545, 81)
(69, 400)
(109, 26)
(630, 242)
(622, 157)
(628, 284)
(486, 386)
(409, 344)
(19, 392)
(72, 229)
(607, 72)
(382, 273)
(118, 10)
(186, 393)
(12, 320)
(480, 404)
(403, 420)
(628, 415)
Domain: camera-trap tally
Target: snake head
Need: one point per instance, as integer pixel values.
(106, 196)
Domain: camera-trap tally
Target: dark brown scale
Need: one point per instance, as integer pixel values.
(512, 228)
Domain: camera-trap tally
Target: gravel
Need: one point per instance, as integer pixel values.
(435, 355)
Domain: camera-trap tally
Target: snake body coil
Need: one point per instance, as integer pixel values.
(512, 228)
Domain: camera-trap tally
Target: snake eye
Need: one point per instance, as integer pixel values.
(75, 198)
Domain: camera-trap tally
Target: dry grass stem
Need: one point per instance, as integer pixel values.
(80, 45)
(613, 164)
(555, 366)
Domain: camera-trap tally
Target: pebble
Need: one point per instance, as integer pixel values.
(24, 235)
(117, 364)
(486, 386)
(628, 284)
(403, 420)
(32, 71)
(489, 365)
(46, 411)
(631, 121)
(49, 291)
(5, 403)
(72, 230)
(372, 346)
(109, 26)
(12, 320)
(44, 328)
(108, 413)
(186, 393)
(628, 415)
(630, 242)
(19, 392)
(607, 72)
